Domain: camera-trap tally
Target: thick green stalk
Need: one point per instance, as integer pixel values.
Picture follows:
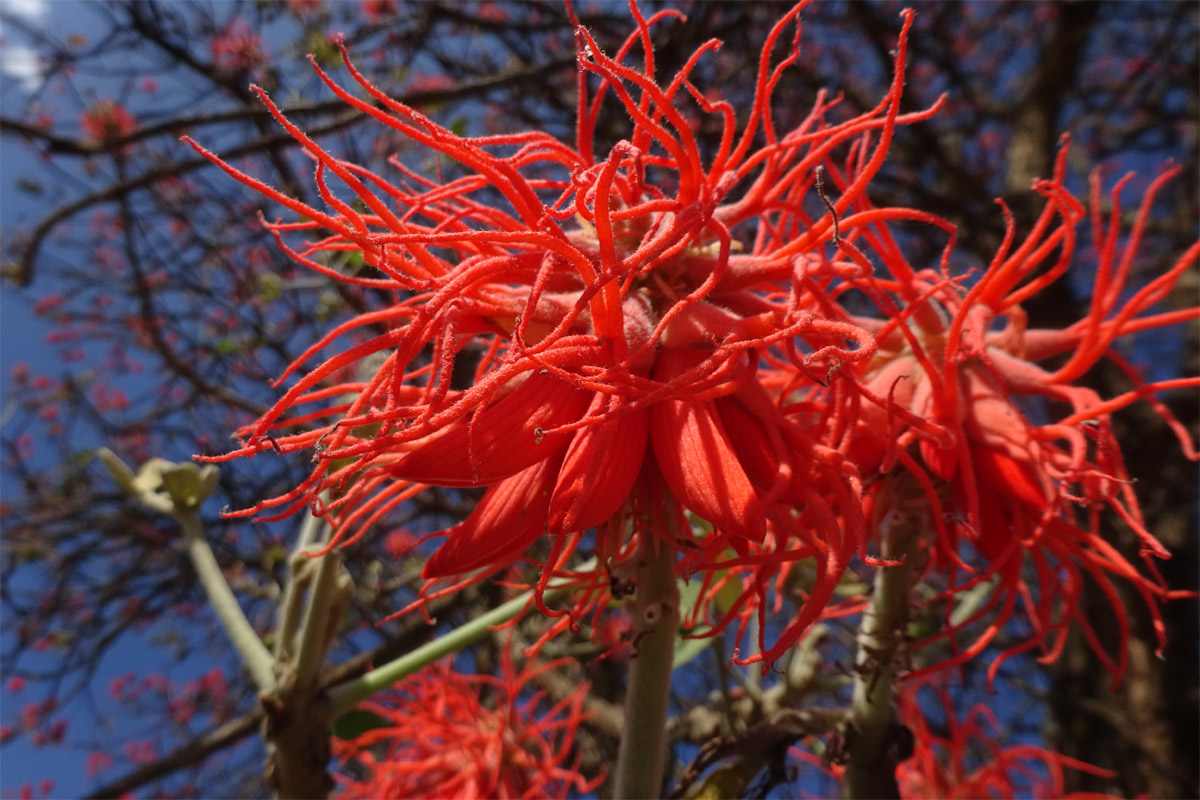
(642, 756)
(314, 633)
(177, 490)
(872, 751)
(291, 608)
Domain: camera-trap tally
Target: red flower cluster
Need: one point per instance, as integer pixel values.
(627, 351)
(377, 12)
(440, 739)
(237, 48)
(960, 759)
(952, 396)
(608, 340)
(106, 119)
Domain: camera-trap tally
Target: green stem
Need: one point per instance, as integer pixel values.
(299, 719)
(291, 610)
(871, 761)
(349, 694)
(641, 760)
(254, 654)
(314, 631)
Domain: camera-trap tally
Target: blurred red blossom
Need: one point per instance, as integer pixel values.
(48, 303)
(44, 788)
(237, 48)
(140, 752)
(98, 762)
(957, 757)
(439, 738)
(377, 11)
(956, 397)
(106, 119)
(304, 7)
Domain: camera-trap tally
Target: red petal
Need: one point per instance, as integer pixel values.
(599, 471)
(941, 462)
(509, 518)
(699, 464)
(504, 438)
(755, 452)
(1011, 501)
(996, 471)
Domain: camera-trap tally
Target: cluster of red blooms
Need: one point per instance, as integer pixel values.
(106, 119)
(961, 759)
(648, 332)
(237, 48)
(439, 739)
(957, 757)
(953, 382)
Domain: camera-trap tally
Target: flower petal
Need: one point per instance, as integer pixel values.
(699, 464)
(601, 465)
(996, 471)
(756, 454)
(509, 518)
(501, 440)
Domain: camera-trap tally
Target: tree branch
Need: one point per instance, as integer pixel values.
(22, 272)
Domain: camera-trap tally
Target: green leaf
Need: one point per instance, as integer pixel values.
(727, 596)
(324, 51)
(274, 555)
(226, 347)
(270, 286)
(356, 722)
(354, 262)
(968, 602)
(687, 649)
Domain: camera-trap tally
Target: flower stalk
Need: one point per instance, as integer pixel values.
(641, 759)
(872, 748)
(254, 655)
(299, 717)
(330, 587)
(291, 609)
(176, 490)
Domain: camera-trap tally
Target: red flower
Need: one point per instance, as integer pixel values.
(304, 7)
(439, 739)
(98, 762)
(237, 48)
(962, 404)
(378, 11)
(595, 343)
(961, 759)
(106, 119)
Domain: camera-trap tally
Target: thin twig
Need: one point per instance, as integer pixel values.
(254, 654)
(22, 275)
